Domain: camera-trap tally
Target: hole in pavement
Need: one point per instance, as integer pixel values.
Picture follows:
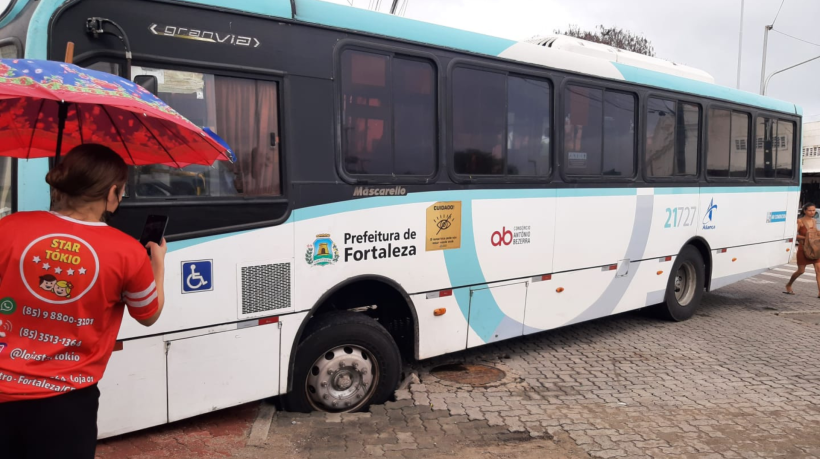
(475, 375)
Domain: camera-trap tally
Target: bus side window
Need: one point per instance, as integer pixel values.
(599, 133)
(774, 148)
(501, 124)
(727, 148)
(388, 115)
(672, 137)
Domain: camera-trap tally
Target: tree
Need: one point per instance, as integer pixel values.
(612, 36)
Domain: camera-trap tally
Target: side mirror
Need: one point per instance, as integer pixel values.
(148, 82)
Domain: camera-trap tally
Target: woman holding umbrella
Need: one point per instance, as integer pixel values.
(67, 277)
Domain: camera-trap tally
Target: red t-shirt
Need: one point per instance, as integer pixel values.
(63, 284)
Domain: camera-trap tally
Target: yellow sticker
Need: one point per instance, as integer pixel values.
(444, 226)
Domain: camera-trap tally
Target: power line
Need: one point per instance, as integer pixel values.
(799, 39)
(778, 12)
(404, 8)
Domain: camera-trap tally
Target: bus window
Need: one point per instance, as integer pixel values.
(739, 164)
(388, 115)
(774, 148)
(785, 148)
(244, 113)
(479, 103)
(672, 135)
(727, 147)
(5, 186)
(619, 134)
(583, 130)
(599, 133)
(485, 141)
(528, 127)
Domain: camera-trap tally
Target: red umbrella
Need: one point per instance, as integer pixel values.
(47, 107)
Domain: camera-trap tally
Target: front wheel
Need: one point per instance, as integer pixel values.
(685, 286)
(347, 362)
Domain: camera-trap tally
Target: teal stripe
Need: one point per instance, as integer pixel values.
(179, 245)
(676, 83)
(595, 192)
(413, 198)
(32, 188)
(461, 274)
(749, 189)
(345, 17)
(15, 10)
(677, 190)
(277, 8)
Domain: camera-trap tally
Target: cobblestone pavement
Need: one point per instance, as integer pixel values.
(741, 379)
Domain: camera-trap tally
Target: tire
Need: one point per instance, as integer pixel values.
(347, 362)
(684, 289)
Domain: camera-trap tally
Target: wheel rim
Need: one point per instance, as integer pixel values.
(343, 379)
(685, 283)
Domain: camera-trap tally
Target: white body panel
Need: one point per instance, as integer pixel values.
(600, 252)
(133, 389)
(203, 377)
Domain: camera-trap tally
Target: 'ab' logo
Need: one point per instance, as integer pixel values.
(59, 268)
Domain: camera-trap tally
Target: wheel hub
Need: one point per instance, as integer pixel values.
(685, 280)
(341, 379)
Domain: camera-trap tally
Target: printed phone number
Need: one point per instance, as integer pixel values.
(57, 316)
(48, 338)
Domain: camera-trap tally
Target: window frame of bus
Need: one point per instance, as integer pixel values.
(14, 41)
(678, 98)
(637, 150)
(131, 200)
(732, 109)
(391, 51)
(797, 159)
(508, 70)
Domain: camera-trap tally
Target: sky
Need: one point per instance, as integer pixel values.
(700, 33)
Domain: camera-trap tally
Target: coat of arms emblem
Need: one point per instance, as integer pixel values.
(322, 252)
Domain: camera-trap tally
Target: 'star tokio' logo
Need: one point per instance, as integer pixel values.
(59, 268)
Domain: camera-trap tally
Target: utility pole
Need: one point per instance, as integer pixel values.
(766, 30)
(393, 7)
(740, 44)
(766, 83)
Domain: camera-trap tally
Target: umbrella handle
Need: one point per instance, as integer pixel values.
(62, 114)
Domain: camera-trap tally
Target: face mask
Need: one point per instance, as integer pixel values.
(108, 215)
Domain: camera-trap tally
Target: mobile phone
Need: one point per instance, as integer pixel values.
(154, 230)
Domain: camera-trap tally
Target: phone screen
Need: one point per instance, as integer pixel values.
(154, 229)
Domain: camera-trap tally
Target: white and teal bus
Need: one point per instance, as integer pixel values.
(405, 190)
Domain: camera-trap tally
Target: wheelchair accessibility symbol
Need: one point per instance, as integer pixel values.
(197, 276)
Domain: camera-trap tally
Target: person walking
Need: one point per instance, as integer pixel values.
(65, 279)
(805, 223)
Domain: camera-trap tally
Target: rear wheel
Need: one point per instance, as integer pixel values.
(685, 286)
(347, 362)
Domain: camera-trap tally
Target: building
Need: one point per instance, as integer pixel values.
(810, 191)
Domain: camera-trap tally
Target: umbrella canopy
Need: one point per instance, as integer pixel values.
(47, 107)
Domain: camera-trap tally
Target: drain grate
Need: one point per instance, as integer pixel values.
(475, 375)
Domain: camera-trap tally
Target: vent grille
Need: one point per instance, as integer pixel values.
(265, 288)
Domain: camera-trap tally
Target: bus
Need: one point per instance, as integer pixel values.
(405, 190)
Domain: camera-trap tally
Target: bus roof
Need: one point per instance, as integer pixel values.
(645, 72)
